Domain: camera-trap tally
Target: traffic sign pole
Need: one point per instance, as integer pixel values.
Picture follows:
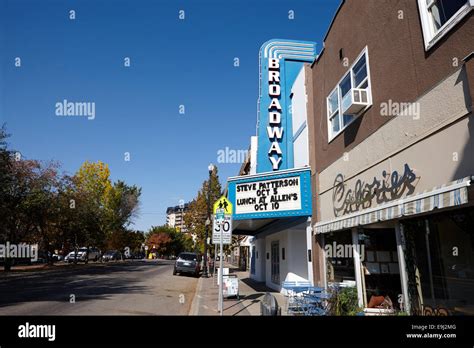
(221, 278)
(222, 210)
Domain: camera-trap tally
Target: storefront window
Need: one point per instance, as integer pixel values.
(380, 268)
(339, 263)
(440, 262)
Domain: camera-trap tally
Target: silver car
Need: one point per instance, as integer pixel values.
(188, 263)
(82, 256)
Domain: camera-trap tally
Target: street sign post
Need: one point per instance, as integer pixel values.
(225, 227)
(222, 229)
(222, 203)
(219, 216)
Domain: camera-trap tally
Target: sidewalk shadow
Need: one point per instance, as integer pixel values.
(244, 308)
(257, 286)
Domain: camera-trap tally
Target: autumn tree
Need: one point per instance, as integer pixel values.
(195, 218)
(105, 209)
(122, 238)
(28, 200)
(57, 211)
(168, 240)
(16, 178)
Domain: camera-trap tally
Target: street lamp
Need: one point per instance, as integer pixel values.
(208, 222)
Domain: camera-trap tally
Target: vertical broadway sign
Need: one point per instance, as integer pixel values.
(274, 129)
(280, 63)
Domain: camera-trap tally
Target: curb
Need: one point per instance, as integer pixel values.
(194, 310)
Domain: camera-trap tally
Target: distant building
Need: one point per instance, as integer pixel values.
(175, 216)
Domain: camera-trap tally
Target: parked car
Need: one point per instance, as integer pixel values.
(138, 255)
(188, 263)
(42, 257)
(17, 261)
(82, 256)
(112, 255)
(58, 257)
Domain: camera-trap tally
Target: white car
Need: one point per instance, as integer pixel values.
(94, 255)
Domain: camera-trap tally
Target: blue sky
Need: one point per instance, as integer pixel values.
(174, 62)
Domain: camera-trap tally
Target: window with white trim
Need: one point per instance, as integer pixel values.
(351, 97)
(438, 17)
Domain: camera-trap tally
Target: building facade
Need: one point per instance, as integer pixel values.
(175, 216)
(391, 151)
(272, 195)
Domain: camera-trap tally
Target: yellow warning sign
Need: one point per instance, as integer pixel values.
(223, 203)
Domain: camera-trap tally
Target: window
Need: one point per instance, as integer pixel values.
(380, 267)
(440, 16)
(339, 268)
(440, 263)
(346, 101)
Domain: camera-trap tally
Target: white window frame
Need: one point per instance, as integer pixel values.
(342, 127)
(430, 35)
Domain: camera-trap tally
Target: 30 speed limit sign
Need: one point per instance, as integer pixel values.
(226, 227)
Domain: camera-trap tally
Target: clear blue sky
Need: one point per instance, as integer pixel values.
(173, 62)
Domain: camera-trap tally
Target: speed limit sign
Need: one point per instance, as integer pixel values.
(226, 227)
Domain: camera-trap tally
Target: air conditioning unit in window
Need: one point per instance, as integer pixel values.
(355, 100)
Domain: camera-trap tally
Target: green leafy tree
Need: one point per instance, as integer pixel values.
(195, 218)
(41, 204)
(38, 205)
(93, 185)
(122, 203)
(168, 241)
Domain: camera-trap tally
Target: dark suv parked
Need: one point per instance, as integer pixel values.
(188, 263)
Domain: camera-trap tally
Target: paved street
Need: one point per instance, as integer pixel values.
(135, 287)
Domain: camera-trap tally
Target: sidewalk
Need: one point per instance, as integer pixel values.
(250, 294)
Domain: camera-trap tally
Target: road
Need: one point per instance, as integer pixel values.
(135, 287)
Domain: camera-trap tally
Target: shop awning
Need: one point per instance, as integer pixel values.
(449, 195)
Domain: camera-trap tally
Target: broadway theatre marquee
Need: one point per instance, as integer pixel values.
(271, 195)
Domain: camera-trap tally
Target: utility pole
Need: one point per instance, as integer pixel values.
(208, 221)
(221, 276)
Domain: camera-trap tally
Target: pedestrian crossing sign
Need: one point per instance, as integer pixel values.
(223, 203)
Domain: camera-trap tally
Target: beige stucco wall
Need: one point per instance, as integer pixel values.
(437, 145)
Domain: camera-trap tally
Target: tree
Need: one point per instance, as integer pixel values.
(135, 240)
(168, 241)
(120, 239)
(29, 204)
(41, 204)
(93, 187)
(121, 205)
(6, 182)
(13, 190)
(195, 218)
(38, 205)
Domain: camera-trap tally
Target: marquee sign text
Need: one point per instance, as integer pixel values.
(268, 195)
